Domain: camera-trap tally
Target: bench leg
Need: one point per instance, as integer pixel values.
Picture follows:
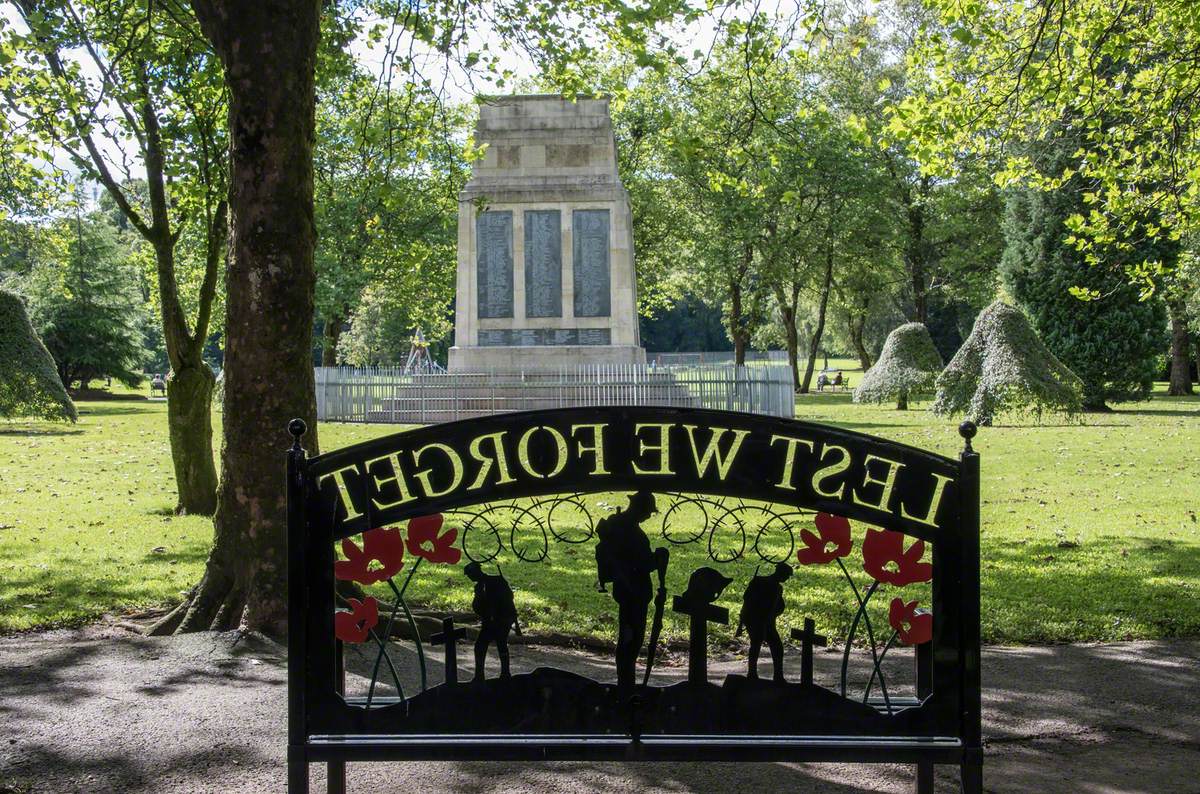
(297, 771)
(972, 777)
(337, 777)
(924, 777)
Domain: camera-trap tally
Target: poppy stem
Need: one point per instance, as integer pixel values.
(412, 624)
(853, 625)
(379, 656)
(886, 701)
(395, 676)
(408, 579)
(871, 638)
(861, 614)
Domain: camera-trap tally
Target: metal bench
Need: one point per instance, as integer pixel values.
(530, 488)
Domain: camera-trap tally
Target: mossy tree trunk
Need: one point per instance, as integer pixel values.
(1180, 382)
(330, 335)
(789, 302)
(739, 322)
(902, 401)
(814, 341)
(856, 326)
(268, 50)
(189, 395)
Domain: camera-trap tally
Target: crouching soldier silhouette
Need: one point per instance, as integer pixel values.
(497, 612)
(624, 559)
(762, 605)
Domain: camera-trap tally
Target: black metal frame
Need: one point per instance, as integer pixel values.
(323, 727)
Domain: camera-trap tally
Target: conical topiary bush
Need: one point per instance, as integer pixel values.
(29, 383)
(909, 364)
(1003, 367)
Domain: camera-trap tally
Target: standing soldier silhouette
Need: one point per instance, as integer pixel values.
(497, 612)
(762, 605)
(624, 559)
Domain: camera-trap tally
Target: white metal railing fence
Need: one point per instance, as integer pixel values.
(387, 394)
(725, 357)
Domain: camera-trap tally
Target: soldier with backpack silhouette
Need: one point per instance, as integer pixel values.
(497, 612)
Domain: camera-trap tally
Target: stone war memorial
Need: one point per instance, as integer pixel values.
(546, 276)
(546, 310)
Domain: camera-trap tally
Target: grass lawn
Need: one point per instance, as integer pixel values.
(1090, 529)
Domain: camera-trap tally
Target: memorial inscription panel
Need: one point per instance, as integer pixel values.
(543, 263)
(531, 337)
(591, 265)
(494, 261)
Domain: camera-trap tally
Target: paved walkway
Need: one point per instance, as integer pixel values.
(104, 710)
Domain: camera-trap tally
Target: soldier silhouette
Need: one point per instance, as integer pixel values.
(497, 612)
(624, 559)
(762, 604)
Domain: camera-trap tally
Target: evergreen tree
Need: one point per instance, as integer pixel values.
(87, 307)
(1112, 342)
(1003, 367)
(29, 385)
(909, 364)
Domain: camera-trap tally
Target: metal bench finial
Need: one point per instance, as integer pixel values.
(297, 428)
(967, 430)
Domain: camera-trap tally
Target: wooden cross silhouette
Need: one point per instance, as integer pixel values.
(808, 638)
(701, 613)
(449, 636)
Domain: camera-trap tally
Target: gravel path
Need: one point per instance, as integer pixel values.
(101, 709)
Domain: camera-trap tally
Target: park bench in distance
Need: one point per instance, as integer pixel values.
(522, 488)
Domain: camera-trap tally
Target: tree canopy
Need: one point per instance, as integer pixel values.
(1112, 342)
(1003, 75)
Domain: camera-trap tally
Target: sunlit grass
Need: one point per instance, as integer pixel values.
(1090, 528)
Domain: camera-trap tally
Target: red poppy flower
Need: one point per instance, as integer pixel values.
(355, 625)
(424, 540)
(383, 545)
(831, 529)
(883, 547)
(914, 626)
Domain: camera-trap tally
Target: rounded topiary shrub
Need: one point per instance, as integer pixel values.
(1003, 367)
(29, 382)
(909, 364)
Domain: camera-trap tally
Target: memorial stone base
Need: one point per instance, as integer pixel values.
(535, 357)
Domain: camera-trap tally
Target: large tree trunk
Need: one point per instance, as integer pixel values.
(269, 51)
(915, 252)
(736, 322)
(787, 311)
(189, 423)
(857, 324)
(814, 342)
(330, 335)
(1180, 383)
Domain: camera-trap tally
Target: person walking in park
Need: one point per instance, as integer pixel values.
(497, 612)
(762, 605)
(624, 559)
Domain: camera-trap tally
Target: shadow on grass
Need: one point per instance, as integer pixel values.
(1103, 589)
(18, 430)
(70, 595)
(1195, 412)
(118, 409)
